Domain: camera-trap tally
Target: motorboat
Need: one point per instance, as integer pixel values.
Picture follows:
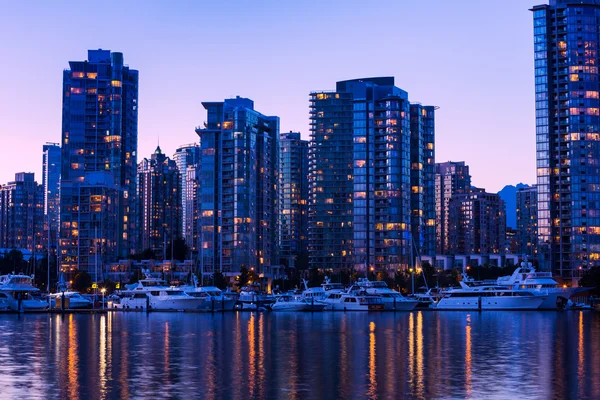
(526, 277)
(3, 301)
(20, 293)
(287, 302)
(490, 298)
(392, 300)
(353, 302)
(76, 300)
(212, 294)
(319, 293)
(252, 297)
(163, 299)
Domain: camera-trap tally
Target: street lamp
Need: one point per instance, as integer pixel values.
(413, 279)
(103, 290)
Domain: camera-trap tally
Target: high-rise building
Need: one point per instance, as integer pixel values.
(293, 199)
(451, 178)
(192, 216)
(22, 214)
(159, 203)
(50, 183)
(567, 94)
(98, 163)
(422, 177)
(186, 156)
(360, 176)
(238, 191)
(477, 223)
(527, 221)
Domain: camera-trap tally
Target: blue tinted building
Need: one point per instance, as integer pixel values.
(186, 156)
(98, 163)
(237, 204)
(50, 183)
(567, 91)
(361, 152)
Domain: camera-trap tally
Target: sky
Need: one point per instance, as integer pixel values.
(471, 58)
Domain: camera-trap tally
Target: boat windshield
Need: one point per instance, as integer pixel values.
(20, 281)
(174, 292)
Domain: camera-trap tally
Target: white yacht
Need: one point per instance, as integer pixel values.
(287, 302)
(319, 293)
(210, 294)
(352, 302)
(76, 300)
(392, 300)
(3, 301)
(20, 293)
(526, 277)
(489, 298)
(162, 299)
(251, 297)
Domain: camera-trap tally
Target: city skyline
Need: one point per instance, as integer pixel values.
(487, 74)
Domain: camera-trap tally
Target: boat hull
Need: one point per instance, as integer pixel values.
(297, 307)
(405, 305)
(490, 303)
(180, 304)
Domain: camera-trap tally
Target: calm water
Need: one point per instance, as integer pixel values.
(424, 355)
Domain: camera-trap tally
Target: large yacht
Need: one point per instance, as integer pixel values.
(489, 298)
(211, 294)
(353, 302)
(162, 299)
(20, 293)
(319, 293)
(392, 300)
(287, 302)
(526, 277)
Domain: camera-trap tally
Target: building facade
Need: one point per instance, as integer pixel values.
(159, 203)
(22, 214)
(360, 154)
(527, 233)
(477, 223)
(422, 178)
(185, 156)
(98, 161)
(451, 178)
(568, 134)
(50, 184)
(238, 203)
(293, 200)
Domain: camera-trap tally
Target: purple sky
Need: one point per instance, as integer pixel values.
(471, 58)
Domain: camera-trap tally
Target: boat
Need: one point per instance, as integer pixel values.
(251, 297)
(3, 301)
(319, 293)
(211, 294)
(163, 299)
(20, 293)
(526, 277)
(287, 302)
(489, 298)
(76, 300)
(392, 300)
(353, 302)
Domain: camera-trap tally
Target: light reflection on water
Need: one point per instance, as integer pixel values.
(423, 355)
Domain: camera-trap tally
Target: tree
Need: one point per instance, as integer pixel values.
(180, 250)
(147, 254)
(110, 286)
(591, 278)
(12, 262)
(246, 276)
(81, 282)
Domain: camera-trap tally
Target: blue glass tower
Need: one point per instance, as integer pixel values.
(567, 91)
(98, 173)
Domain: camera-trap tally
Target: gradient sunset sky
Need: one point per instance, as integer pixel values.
(472, 58)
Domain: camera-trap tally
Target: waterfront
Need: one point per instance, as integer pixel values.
(419, 355)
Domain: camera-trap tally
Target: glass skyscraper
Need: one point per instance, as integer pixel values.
(527, 221)
(360, 154)
(159, 203)
(98, 173)
(451, 178)
(50, 183)
(568, 134)
(186, 156)
(293, 196)
(238, 203)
